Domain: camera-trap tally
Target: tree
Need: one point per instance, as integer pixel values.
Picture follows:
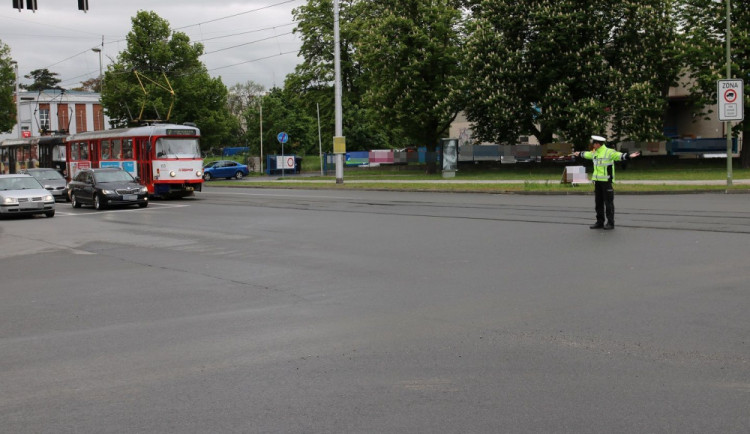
(703, 45)
(7, 89)
(410, 52)
(159, 77)
(569, 69)
(281, 115)
(43, 80)
(241, 98)
(311, 85)
(90, 85)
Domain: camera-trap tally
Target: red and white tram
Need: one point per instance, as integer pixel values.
(165, 158)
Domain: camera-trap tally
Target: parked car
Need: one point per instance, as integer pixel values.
(225, 169)
(52, 180)
(23, 194)
(102, 188)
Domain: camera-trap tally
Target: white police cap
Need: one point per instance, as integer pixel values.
(599, 139)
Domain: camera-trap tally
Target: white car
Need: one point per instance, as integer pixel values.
(23, 194)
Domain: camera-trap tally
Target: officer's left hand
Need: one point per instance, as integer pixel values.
(635, 154)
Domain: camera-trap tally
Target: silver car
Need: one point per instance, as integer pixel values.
(52, 180)
(22, 194)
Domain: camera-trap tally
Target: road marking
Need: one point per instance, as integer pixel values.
(110, 211)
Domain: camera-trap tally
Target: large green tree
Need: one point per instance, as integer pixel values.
(281, 115)
(703, 45)
(410, 52)
(311, 84)
(570, 68)
(160, 77)
(42, 79)
(7, 89)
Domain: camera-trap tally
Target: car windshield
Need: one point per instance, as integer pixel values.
(46, 175)
(19, 183)
(112, 176)
(177, 148)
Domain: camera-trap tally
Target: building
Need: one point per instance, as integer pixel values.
(56, 111)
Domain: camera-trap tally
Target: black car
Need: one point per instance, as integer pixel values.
(106, 187)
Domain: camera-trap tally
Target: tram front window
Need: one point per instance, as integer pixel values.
(177, 148)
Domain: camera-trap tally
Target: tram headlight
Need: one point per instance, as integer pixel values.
(199, 173)
(172, 174)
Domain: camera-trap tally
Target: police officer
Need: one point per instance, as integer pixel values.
(604, 174)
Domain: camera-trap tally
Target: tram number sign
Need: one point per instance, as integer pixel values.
(731, 100)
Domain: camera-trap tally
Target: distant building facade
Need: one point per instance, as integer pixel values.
(56, 111)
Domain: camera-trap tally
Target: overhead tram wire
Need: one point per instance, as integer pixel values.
(236, 15)
(254, 60)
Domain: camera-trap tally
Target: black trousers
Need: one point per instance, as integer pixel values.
(604, 196)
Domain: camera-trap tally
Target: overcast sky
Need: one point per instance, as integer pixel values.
(244, 40)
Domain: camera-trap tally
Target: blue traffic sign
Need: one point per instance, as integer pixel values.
(283, 137)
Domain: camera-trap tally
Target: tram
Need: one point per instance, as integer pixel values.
(165, 158)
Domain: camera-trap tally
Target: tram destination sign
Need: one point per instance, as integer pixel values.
(731, 100)
(180, 132)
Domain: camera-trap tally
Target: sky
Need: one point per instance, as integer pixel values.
(248, 40)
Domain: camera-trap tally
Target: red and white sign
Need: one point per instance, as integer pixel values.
(731, 100)
(285, 162)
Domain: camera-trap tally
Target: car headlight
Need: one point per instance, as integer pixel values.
(199, 173)
(49, 198)
(10, 201)
(172, 174)
(108, 192)
(143, 190)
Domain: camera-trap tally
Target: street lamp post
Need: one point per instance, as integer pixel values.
(99, 50)
(18, 100)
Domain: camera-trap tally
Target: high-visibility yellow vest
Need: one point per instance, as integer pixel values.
(604, 162)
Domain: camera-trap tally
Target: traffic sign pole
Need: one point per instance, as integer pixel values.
(731, 100)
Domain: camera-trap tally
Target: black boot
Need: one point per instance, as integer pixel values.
(597, 225)
(609, 226)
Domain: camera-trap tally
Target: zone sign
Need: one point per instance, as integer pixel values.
(731, 100)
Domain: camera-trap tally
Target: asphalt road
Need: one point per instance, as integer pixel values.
(292, 311)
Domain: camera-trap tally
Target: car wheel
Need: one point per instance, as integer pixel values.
(239, 175)
(207, 176)
(98, 204)
(143, 205)
(74, 201)
(50, 213)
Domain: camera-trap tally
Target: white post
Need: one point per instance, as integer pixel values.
(729, 76)
(18, 102)
(261, 135)
(337, 91)
(320, 141)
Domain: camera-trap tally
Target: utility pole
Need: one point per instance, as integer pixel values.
(729, 76)
(18, 101)
(338, 134)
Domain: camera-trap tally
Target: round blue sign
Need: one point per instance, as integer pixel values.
(283, 137)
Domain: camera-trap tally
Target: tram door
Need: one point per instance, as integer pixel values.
(144, 161)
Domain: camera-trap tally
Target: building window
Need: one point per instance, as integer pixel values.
(44, 117)
(81, 118)
(63, 118)
(98, 117)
